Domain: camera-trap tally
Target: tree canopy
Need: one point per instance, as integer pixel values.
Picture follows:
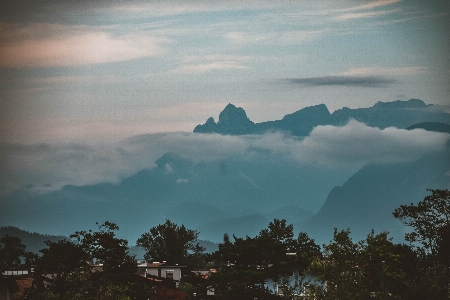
(429, 219)
(170, 242)
(11, 252)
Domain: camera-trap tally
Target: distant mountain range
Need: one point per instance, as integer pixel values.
(32, 240)
(401, 114)
(368, 198)
(241, 195)
(185, 192)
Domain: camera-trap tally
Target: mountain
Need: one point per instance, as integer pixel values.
(32, 240)
(368, 198)
(241, 193)
(182, 191)
(400, 114)
(242, 226)
(431, 126)
(232, 120)
(292, 214)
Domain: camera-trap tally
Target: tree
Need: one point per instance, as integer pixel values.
(66, 262)
(63, 271)
(246, 265)
(430, 222)
(429, 219)
(380, 268)
(170, 242)
(366, 269)
(11, 252)
(105, 248)
(337, 269)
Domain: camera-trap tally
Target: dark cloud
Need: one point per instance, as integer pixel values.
(349, 81)
(49, 11)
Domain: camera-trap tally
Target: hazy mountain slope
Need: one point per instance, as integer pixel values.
(192, 214)
(431, 126)
(400, 114)
(292, 214)
(229, 187)
(366, 201)
(32, 240)
(241, 226)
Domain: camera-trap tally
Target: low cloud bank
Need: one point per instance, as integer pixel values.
(44, 167)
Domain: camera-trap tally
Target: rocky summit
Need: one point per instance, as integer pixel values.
(401, 114)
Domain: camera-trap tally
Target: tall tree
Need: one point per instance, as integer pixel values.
(59, 266)
(105, 248)
(429, 219)
(337, 269)
(246, 265)
(11, 252)
(430, 238)
(170, 242)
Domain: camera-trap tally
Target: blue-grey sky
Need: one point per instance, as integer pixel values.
(101, 70)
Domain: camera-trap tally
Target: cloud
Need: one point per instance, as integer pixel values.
(373, 4)
(238, 37)
(45, 45)
(195, 64)
(379, 71)
(348, 81)
(50, 166)
(369, 14)
(356, 143)
(212, 66)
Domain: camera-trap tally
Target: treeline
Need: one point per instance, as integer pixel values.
(274, 264)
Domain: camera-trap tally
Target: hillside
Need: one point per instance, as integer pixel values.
(368, 198)
(32, 240)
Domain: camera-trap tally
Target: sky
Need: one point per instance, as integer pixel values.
(102, 71)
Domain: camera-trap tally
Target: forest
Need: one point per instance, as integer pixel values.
(274, 264)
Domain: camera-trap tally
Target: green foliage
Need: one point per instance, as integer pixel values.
(245, 264)
(65, 261)
(172, 243)
(63, 269)
(105, 248)
(11, 252)
(429, 219)
(362, 270)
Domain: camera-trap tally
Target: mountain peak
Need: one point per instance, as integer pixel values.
(232, 115)
(232, 120)
(401, 114)
(399, 104)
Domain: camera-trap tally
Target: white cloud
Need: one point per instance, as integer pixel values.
(374, 4)
(369, 71)
(238, 37)
(182, 180)
(44, 45)
(349, 146)
(207, 67)
(369, 14)
(356, 143)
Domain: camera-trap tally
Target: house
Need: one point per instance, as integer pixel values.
(161, 270)
(13, 284)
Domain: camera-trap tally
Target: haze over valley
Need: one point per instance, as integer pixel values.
(346, 176)
(221, 115)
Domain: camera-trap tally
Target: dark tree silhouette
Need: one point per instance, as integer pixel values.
(11, 252)
(170, 242)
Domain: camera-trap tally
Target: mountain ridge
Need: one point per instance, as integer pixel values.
(401, 114)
